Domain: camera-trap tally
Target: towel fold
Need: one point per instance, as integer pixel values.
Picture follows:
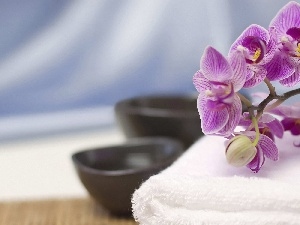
(201, 188)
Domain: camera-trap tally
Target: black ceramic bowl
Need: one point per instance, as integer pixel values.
(173, 116)
(111, 174)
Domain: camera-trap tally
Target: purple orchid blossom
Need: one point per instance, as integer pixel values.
(269, 127)
(257, 55)
(266, 148)
(285, 30)
(217, 82)
(258, 49)
(292, 124)
(291, 117)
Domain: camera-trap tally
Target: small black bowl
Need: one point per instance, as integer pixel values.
(174, 116)
(111, 174)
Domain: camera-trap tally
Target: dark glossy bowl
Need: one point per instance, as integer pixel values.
(111, 174)
(173, 116)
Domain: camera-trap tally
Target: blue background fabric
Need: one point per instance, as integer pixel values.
(69, 55)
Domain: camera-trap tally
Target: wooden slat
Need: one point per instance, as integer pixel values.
(58, 212)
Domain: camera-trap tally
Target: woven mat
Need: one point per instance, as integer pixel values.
(58, 212)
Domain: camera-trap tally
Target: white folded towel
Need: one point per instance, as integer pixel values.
(201, 188)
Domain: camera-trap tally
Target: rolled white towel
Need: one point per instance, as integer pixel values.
(201, 188)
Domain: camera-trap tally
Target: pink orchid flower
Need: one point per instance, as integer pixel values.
(285, 30)
(217, 82)
(258, 49)
(268, 125)
(291, 117)
(266, 148)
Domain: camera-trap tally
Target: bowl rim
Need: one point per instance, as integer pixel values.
(124, 106)
(177, 150)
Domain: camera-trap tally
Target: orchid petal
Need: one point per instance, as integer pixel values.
(276, 111)
(266, 118)
(252, 44)
(294, 32)
(259, 75)
(257, 161)
(238, 64)
(253, 30)
(267, 132)
(288, 123)
(286, 18)
(234, 111)
(265, 147)
(279, 110)
(274, 34)
(200, 82)
(295, 110)
(214, 66)
(211, 120)
(276, 128)
(296, 129)
(280, 67)
(292, 111)
(251, 69)
(271, 49)
(249, 73)
(244, 121)
(291, 80)
(268, 147)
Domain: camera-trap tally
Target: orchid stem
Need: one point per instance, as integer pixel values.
(280, 99)
(270, 87)
(245, 100)
(254, 122)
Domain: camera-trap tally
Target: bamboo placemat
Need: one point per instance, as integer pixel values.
(58, 212)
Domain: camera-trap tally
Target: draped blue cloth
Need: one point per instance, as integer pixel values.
(60, 55)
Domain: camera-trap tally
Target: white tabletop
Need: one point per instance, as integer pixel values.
(42, 167)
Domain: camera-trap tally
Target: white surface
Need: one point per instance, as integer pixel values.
(42, 168)
(202, 188)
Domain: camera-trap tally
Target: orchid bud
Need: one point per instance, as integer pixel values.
(240, 151)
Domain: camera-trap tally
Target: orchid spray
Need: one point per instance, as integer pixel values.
(258, 55)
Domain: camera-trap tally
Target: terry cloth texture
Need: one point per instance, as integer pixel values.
(201, 188)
